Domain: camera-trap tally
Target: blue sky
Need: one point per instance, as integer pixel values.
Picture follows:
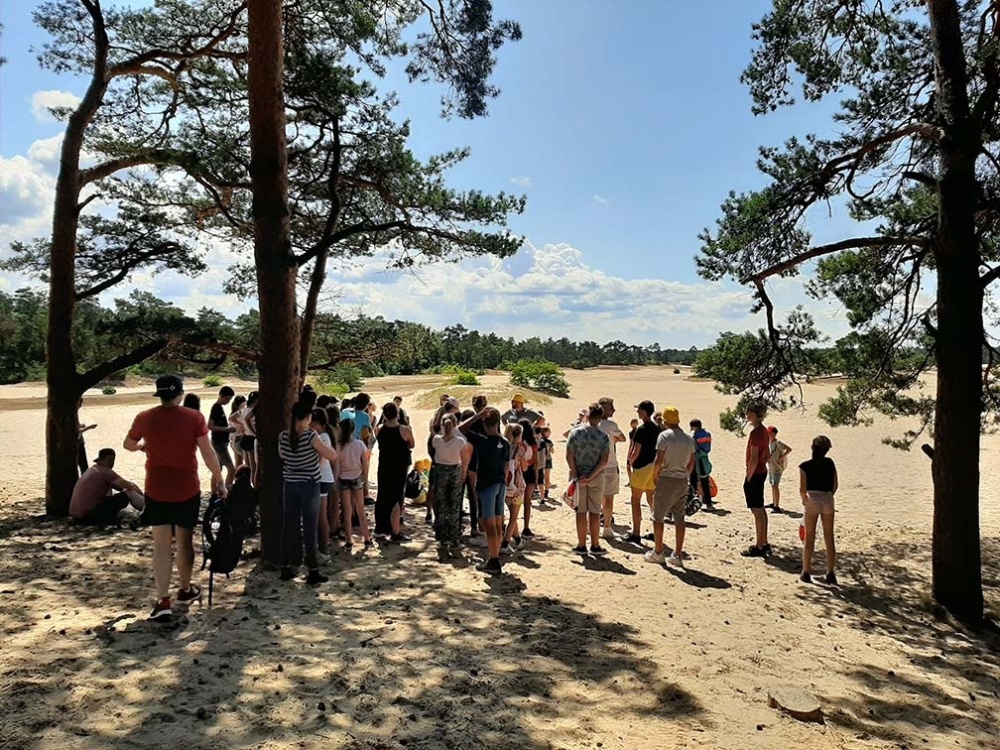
(624, 123)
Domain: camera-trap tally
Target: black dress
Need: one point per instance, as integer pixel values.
(394, 459)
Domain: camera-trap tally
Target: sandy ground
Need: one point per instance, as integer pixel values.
(402, 650)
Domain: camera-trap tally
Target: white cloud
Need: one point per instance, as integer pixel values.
(521, 181)
(46, 152)
(601, 200)
(25, 191)
(42, 103)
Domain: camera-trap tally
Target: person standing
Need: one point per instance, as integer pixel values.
(612, 474)
(530, 472)
(758, 453)
(451, 464)
(518, 412)
(249, 440)
(776, 464)
(301, 450)
(700, 477)
(93, 502)
(818, 484)
(493, 453)
(395, 454)
(359, 415)
(236, 436)
(352, 466)
(588, 451)
(673, 466)
(218, 424)
(643, 457)
(171, 436)
(327, 476)
(476, 529)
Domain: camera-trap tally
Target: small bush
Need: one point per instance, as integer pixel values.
(540, 375)
(676, 371)
(340, 380)
(213, 381)
(579, 364)
(109, 390)
(466, 377)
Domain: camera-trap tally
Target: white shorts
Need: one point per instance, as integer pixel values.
(612, 481)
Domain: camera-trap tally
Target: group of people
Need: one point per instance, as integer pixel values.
(499, 463)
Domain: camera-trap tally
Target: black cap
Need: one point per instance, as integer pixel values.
(646, 406)
(169, 387)
(104, 453)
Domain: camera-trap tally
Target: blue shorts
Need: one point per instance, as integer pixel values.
(491, 501)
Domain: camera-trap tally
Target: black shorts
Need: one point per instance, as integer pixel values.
(753, 491)
(183, 514)
(247, 442)
(530, 477)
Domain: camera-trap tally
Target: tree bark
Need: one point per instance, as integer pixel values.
(956, 561)
(276, 265)
(316, 282)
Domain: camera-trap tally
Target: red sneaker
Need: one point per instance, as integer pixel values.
(161, 610)
(186, 598)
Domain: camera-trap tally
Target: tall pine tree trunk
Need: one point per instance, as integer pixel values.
(316, 282)
(276, 265)
(957, 570)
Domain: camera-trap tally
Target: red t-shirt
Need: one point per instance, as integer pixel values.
(759, 438)
(170, 435)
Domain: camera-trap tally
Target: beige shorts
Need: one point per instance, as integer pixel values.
(590, 497)
(819, 503)
(612, 482)
(670, 497)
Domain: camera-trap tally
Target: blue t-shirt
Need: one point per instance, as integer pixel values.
(362, 424)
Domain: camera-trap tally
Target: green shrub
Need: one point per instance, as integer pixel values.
(213, 381)
(339, 380)
(579, 364)
(465, 377)
(539, 375)
(109, 390)
(676, 371)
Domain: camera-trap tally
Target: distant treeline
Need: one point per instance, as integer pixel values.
(211, 342)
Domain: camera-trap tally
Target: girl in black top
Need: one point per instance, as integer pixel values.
(818, 485)
(395, 454)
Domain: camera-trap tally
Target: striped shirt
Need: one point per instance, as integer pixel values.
(302, 463)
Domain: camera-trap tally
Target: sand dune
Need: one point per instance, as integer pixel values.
(401, 650)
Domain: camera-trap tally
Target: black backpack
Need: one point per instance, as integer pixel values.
(413, 484)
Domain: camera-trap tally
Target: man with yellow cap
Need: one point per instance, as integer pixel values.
(675, 451)
(518, 412)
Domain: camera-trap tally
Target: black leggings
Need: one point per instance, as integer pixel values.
(391, 488)
(706, 487)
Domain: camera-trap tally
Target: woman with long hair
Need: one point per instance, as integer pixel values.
(395, 454)
(301, 451)
(818, 484)
(321, 426)
(531, 470)
(353, 464)
(236, 422)
(249, 440)
(448, 406)
(451, 464)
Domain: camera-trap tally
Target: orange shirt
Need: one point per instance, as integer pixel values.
(170, 436)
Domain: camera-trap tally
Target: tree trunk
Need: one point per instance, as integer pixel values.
(276, 265)
(316, 282)
(957, 567)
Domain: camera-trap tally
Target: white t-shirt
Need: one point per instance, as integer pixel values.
(611, 429)
(678, 448)
(349, 459)
(449, 452)
(325, 469)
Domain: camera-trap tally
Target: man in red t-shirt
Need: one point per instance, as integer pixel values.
(171, 436)
(758, 453)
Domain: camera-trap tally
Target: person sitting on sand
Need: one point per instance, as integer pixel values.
(776, 464)
(818, 485)
(674, 463)
(758, 453)
(171, 436)
(492, 454)
(93, 501)
(588, 451)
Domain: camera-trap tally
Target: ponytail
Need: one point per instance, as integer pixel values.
(346, 431)
(299, 412)
(448, 425)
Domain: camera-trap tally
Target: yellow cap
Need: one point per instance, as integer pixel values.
(671, 416)
(517, 398)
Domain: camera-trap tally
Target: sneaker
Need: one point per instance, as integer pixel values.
(831, 578)
(597, 551)
(400, 539)
(608, 533)
(369, 501)
(633, 539)
(528, 533)
(190, 596)
(650, 537)
(369, 544)
(776, 509)
(652, 556)
(161, 610)
(504, 545)
(518, 542)
(323, 558)
(753, 552)
(767, 550)
(580, 550)
(806, 578)
(315, 578)
(491, 566)
(287, 574)
(478, 541)
(508, 550)
(675, 562)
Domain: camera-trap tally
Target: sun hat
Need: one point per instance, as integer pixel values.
(671, 416)
(168, 387)
(517, 398)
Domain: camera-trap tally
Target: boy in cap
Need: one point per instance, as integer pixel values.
(93, 502)
(672, 468)
(518, 411)
(171, 437)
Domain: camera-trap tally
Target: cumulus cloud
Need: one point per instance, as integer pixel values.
(25, 191)
(43, 102)
(600, 200)
(521, 181)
